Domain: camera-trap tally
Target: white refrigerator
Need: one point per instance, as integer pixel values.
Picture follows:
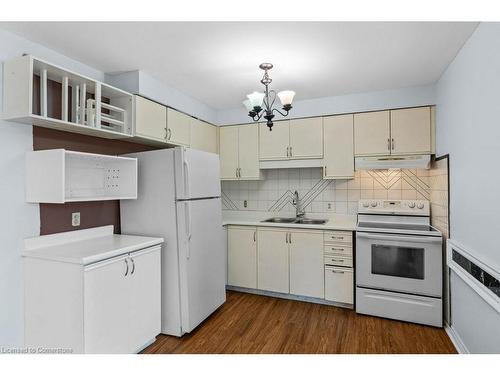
(179, 200)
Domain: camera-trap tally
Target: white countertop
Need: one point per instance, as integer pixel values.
(85, 246)
(254, 218)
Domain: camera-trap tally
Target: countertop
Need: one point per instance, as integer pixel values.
(254, 218)
(85, 249)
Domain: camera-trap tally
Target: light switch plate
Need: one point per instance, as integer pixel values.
(75, 219)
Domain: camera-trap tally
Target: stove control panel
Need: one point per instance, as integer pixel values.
(396, 207)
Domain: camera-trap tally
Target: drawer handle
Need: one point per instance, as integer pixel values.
(338, 248)
(333, 271)
(338, 260)
(337, 237)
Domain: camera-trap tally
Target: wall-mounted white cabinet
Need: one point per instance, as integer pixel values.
(395, 132)
(338, 134)
(239, 152)
(203, 136)
(43, 94)
(150, 120)
(292, 139)
(178, 128)
(60, 176)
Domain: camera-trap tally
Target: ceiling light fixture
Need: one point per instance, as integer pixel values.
(267, 98)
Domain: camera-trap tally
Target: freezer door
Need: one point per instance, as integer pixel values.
(201, 260)
(197, 174)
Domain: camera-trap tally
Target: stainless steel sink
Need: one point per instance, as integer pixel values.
(310, 221)
(293, 220)
(280, 220)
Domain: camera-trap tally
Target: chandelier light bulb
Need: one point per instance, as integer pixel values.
(248, 105)
(256, 98)
(286, 97)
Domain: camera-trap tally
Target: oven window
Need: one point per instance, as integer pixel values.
(399, 261)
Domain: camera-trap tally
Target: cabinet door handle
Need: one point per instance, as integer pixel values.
(286, 237)
(254, 236)
(236, 172)
(290, 237)
(389, 144)
(169, 134)
(287, 152)
(133, 266)
(166, 133)
(392, 142)
(239, 172)
(126, 271)
(291, 154)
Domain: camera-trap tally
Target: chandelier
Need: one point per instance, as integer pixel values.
(257, 100)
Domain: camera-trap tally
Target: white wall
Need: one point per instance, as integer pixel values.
(468, 128)
(368, 101)
(18, 219)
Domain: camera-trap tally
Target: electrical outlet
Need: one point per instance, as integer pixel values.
(75, 219)
(245, 203)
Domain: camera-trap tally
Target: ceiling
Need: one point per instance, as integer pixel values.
(217, 62)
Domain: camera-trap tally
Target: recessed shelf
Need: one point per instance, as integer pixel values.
(60, 176)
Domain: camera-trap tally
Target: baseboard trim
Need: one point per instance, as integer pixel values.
(456, 340)
(289, 296)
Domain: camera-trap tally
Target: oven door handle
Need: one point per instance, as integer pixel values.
(391, 237)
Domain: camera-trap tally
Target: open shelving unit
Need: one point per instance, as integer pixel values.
(61, 176)
(42, 94)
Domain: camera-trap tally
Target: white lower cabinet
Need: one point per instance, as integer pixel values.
(111, 306)
(242, 256)
(273, 260)
(339, 284)
(306, 263)
(122, 302)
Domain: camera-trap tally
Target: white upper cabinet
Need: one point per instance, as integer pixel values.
(306, 263)
(338, 135)
(178, 128)
(228, 152)
(242, 256)
(274, 144)
(239, 152)
(203, 136)
(411, 131)
(150, 119)
(306, 138)
(372, 133)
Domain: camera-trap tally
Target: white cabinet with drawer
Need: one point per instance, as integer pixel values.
(339, 284)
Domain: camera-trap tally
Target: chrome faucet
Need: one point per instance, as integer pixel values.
(296, 203)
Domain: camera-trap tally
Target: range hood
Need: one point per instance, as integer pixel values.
(391, 162)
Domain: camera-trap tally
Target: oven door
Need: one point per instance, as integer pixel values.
(402, 263)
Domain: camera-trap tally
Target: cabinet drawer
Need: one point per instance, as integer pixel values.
(332, 260)
(337, 249)
(339, 285)
(338, 237)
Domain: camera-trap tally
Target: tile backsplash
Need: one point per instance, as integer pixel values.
(275, 192)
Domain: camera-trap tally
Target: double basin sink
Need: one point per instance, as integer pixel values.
(294, 220)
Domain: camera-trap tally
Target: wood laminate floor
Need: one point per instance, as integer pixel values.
(249, 323)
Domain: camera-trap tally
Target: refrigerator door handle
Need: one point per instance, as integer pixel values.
(186, 177)
(188, 228)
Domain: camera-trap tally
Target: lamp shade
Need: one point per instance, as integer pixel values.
(286, 97)
(248, 105)
(256, 98)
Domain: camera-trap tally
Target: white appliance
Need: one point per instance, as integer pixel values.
(179, 200)
(398, 261)
(392, 161)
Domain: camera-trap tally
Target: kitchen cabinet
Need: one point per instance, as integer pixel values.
(372, 133)
(292, 139)
(242, 256)
(80, 297)
(339, 284)
(150, 119)
(306, 138)
(274, 144)
(338, 135)
(62, 176)
(396, 132)
(273, 260)
(178, 128)
(239, 150)
(306, 263)
(411, 131)
(203, 136)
